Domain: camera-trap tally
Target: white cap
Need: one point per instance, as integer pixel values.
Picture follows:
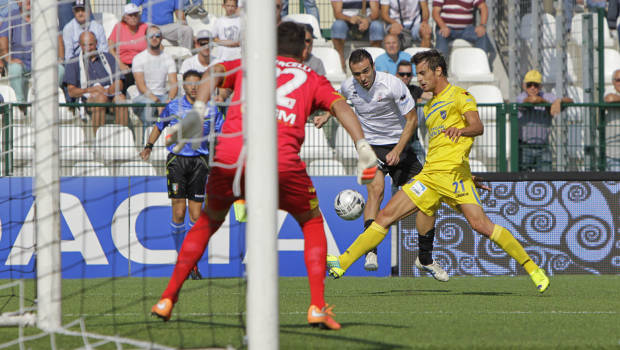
(130, 8)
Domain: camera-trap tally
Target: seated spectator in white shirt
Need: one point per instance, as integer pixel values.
(80, 23)
(309, 59)
(202, 59)
(151, 69)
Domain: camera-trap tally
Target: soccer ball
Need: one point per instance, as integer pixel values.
(349, 204)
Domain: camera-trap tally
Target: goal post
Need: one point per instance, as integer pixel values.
(46, 163)
(261, 176)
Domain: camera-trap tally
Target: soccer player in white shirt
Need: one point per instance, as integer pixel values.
(388, 116)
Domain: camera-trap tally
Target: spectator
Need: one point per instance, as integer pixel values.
(151, 69)
(128, 38)
(615, 80)
(353, 16)
(16, 47)
(65, 13)
(227, 32)
(612, 126)
(90, 76)
(278, 11)
(79, 24)
(535, 123)
(161, 13)
(455, 20)
(309, 7)
(202, 59)
(309, 59)
(388, 61)
(408, 19)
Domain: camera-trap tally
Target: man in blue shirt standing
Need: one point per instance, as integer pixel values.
(388, 62)
(161, 13)
(186, 170)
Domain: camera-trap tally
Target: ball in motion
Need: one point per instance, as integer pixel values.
(349, 204)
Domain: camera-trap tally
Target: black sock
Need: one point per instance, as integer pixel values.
(366, 225)
(425, 247)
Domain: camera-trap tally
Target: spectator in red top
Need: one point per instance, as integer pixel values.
(128, 38)
(455, 20)
(307, 91)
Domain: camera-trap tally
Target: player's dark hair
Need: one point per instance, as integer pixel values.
(291, 38)
(433, 58)
(403, 63)
(192, 73)
(359, 55)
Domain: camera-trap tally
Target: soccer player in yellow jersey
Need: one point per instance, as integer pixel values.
(452, 121)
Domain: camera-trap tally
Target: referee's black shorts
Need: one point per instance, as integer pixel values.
(187, 176)
(408, 167)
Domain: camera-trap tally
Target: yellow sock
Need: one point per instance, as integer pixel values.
(504, 239)
(373, 235)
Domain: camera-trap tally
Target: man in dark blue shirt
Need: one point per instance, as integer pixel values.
(187, 169)
(92, 76)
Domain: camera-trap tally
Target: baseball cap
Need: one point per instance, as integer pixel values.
(130, 8)
(79, 3)
(533, 76)
(203, 34)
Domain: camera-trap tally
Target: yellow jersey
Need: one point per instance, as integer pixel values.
(443, 111)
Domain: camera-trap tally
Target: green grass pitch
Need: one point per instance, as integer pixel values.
(577, 311)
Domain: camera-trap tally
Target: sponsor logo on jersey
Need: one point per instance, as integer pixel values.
(286, 118)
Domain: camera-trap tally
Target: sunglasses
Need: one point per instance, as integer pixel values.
(135, 14)
(155, 35)
(405, 74)
(203, 43)
(617, 80)
(308, 41)
(529, 85)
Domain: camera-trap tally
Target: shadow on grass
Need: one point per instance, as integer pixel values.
(337, 336)
(397, 292)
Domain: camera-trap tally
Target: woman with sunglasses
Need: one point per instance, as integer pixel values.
(128, 38)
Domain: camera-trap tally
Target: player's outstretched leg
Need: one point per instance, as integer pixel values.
(372, 236)
(194, 273)
(505, 240)
(192, 249)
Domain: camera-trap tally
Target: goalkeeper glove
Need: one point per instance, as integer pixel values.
(188, 129)
(367, 162)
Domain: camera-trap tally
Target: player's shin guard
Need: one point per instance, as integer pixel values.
(177, 230)
(371, 237)
(504, 239)
(315, 250)
(192, 249)
(367, 224)
(425, 247)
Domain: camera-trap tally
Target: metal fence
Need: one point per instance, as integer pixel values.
(584, 137)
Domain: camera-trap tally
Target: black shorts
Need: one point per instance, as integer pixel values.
(408, 167)
(187, 176)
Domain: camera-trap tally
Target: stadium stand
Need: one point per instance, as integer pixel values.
(526, 31)
(89, 168)
(135, 168)
(311, 20)
(114, 143)
(73, 145)
(64, 113)
(9, 96)
(413, 50)
(159, 152)
(577, 29)
(326, 167)
(23, 144)
(469, 64)
(316, 145)
(373, 51)
(108, 20)
(331, 61)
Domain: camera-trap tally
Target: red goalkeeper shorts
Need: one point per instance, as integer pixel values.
(296, 191)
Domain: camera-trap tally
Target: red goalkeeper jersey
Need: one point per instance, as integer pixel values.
(300, 91)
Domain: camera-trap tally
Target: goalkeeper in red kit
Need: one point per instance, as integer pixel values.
(308, 92)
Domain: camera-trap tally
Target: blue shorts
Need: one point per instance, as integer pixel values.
(340, 30)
